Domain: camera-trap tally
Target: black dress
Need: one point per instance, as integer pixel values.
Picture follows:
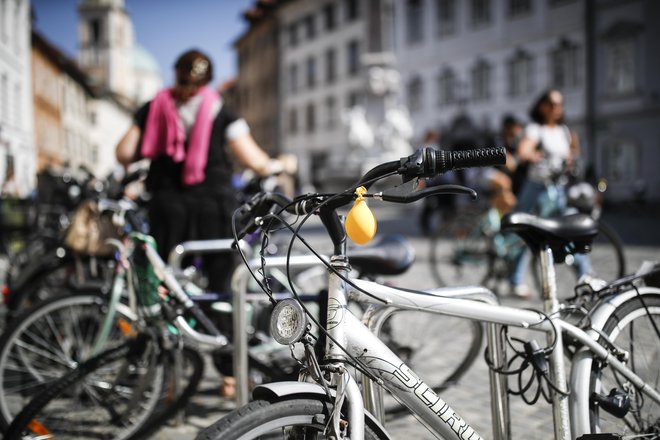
(178, 213)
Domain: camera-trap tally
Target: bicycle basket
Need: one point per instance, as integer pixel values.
(89, 231)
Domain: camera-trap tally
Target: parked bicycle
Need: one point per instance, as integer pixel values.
(86, 324)
(613, 384)
(470, 244)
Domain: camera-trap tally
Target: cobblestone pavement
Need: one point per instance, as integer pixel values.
(470, 397)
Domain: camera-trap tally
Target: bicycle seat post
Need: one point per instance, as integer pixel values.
(560, 412)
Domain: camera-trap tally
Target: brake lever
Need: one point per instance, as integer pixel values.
(408, 192)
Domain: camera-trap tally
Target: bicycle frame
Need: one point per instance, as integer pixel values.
(405, 385)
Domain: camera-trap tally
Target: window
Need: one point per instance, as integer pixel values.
(293, 121)
(331, 112)
(329, 16)
(415, 87)
(445, 15)
(95, 31)
(559, 2)
(480, 12)
(519, 7)
(565, 74)
(621, 66)
(4, 98)
(293, 34)
(94, 153)
(520, 74)
(414, 21)
(353, 99)
(447, 85)
(622, 161)
(293, 78)
(353, 57)
(17, 27)
(352, 10)
(4, 20)
(330, 65)
(18, 108)
(481, 81)
(310, 118)
(311, 72)
(310, 27)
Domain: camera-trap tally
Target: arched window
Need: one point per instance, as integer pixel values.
(565, 65)
(414, 21)
(415, 93)
(447, 87)
(480, 81)
(521, 67)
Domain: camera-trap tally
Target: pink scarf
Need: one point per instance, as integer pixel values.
(164, 134)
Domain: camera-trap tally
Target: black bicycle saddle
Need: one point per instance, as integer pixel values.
(575, 232)
(391, 255)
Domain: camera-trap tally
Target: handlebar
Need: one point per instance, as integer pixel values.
(425, 162)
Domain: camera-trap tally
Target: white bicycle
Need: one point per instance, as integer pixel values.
(611, 336)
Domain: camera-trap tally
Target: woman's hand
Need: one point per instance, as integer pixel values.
(527, 151)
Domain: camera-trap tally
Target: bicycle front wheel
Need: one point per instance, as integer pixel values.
(295, 418)
(633, 328)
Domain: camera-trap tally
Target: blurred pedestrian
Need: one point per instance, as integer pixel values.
(188, 132)
(499, 181)
(550, 149)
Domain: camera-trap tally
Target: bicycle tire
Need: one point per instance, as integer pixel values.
(258, 419)
(32, 413)
(468, 247)
(180, 402)
(612, 238)
(628, 328)
(46, 342)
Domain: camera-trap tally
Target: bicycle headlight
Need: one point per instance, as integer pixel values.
(288, 322)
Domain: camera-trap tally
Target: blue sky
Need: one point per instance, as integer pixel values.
(164, 27)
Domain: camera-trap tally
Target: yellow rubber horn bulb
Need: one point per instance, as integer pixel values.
(360, 223)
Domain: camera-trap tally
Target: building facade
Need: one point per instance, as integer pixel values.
(62, 108)
(17, 153)
(109, 54)
(257, 91)
(123, 75)
(466, 64)
(321, 74)
(626, 96)
(483, 59)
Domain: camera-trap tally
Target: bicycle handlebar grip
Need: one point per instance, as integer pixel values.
(456, 160)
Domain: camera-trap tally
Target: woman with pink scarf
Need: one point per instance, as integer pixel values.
(185, 130)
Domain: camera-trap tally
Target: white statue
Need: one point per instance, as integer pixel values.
(360, 134)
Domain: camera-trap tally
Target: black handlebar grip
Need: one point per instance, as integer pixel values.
(456, 160)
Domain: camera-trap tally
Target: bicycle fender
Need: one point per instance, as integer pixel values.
(604, 310)
(291, 389)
